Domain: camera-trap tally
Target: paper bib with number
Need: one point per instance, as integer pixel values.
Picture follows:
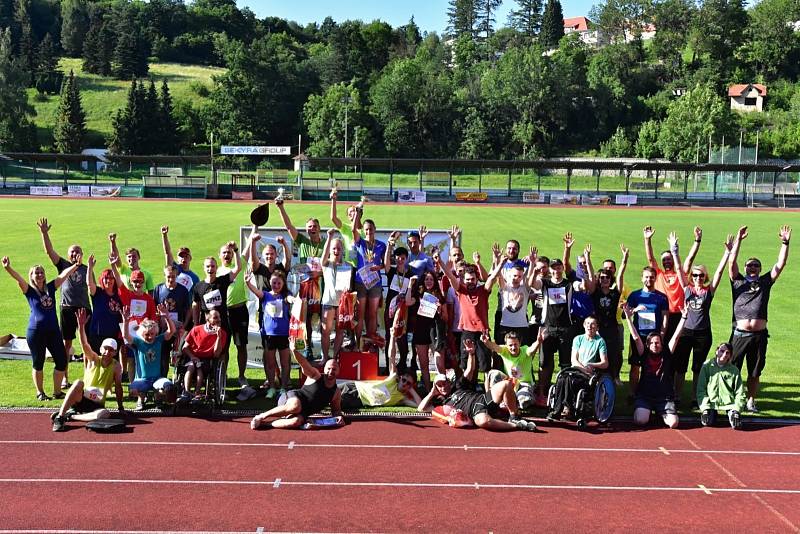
(399, 283)
(368, 277)
(274, 309)
(138, 308)
(213, 299)
(647, 321)
(185, 280)
(557, 295)
(93, 393)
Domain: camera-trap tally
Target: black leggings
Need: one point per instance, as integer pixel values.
(40, 341)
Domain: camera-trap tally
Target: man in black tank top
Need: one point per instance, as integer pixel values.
(318, 392)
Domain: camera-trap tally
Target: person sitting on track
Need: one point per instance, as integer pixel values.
(203, 343)
(484, 409)
(589, 354)
(518, 364)
(147, 347)
(318, 392)
(398, 389)
(720, 387)
(655, 390)
(85, 400)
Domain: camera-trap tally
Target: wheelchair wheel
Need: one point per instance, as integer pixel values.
(581, 424)
(604, 397)
(220, 380)
(551, 397)
(580, 402)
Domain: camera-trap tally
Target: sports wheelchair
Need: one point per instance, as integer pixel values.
(215, 382)
(581, 398)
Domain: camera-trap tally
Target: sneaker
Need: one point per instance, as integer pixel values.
(751, 405)
(243, 382)
(694, 405)
(271, 392)
(139, 404)
(704, 418)
(522, 424)
(735, 419)
(184, 398)
(59, 395)
(58, 423)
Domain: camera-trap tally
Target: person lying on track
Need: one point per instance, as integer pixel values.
(85, 400)
(484, 409)
(318, 392)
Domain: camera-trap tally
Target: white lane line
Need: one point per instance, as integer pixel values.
(705, 489)
(291, 445)
(277, 483)
(665, 451)
(443, 485)
(660, 450)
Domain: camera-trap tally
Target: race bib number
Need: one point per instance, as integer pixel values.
(93, 394)
(428, 305)
(213, 299)
(378, 395)
(133, 326)
(138, 308)
(647, 321)
(342, 279)
(185, 280)
(274, 310)
(368, 277)
(399, 283)
(557, 295)
(314, 264)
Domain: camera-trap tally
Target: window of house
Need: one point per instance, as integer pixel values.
(750, 101)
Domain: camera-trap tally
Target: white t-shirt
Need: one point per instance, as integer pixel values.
(451, 298)
(338, 281)
(514, 306)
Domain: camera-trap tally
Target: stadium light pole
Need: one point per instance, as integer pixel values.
(346, 102)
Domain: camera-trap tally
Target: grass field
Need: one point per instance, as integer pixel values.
(203, 226)
(102, 96)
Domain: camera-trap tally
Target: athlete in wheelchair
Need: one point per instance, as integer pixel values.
(199, 364)
(584, 392)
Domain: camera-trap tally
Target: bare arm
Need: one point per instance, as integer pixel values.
(678, 331)
(309, 370)
(427, 403)
(648, 246)
(733, 267)
(491, 345)
(250, 253)
(676, 258)
(162, 311)
(249, 279)
(90, 281)
(169, 259)
(623, 265)
(44, 229)
(568, 242)
(476, 258)
(114, 252)
(287, 222)
(785, 235)
(698, 237)
(454, 281)
(495, 274)
(63, 275)
(114, 261)
(327, 250)
(387, 256)
(118, 391)
(470, 371)
(357, 224)
(722, 262)
(126, 321)
(23, 284)
(637, 339)
(82, 318)
(337, 222)
(287, 254)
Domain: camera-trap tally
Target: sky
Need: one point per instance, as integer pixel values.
(430, 15)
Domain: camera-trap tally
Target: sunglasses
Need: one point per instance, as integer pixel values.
(697, 275)
(753, 265)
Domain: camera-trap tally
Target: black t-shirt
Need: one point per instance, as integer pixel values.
(698, 304)
(74, 291)
(656, 379)
(264, 273)
(177, 299)
(390, 276)
(463, 396)
(605, 307)
(557, 297)
(751, 297)
(213, 295)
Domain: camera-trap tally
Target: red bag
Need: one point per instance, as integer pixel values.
(346, 313)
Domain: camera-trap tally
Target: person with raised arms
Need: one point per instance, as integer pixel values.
(339, 277)
(147, 352)
(132, 258)
(236, 304)
(398, 275)
(43, 333)
(649, 307)
(370, 253)
(751, 292)
(178, 302)
(606, 294)
(186, 277)
(106, 306)
(318, 392)
(87, 397)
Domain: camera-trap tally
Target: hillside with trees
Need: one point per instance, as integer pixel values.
(486, 88)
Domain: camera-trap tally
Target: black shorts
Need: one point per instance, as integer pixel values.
(69, 322)
(486, 405)
(239, 319)
(750, 347)
(483, 356)
(275, 342)
(696, 342)
(87, 406)
(521, 331)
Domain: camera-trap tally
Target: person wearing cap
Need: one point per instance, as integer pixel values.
(132, 258)
(751, 292)
(74, 292)
(86, 399)
(186, 277)
(484, 409)
(141, 305)
(418, 261)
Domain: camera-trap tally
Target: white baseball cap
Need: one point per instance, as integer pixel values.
(110, 343)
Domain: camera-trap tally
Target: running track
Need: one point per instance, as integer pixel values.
(187, 474)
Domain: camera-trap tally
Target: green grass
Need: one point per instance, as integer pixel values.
(203, 226)
(102, 96)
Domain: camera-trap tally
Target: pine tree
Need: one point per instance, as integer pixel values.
(48, 77)
(527, 18)
(552, 24)
(131, 51)
(98, 46)
(6, 13)
(151, 116)
(462, 18)
(169, 128)
(485, 17)
(17, 132)
(70, 127)
(74, 26)
(125, 124)
(23, 39)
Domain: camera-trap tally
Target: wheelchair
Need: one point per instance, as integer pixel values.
(215, 382)
(581, 398)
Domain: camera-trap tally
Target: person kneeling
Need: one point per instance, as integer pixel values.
(318, 392)
(147, 347)
(720, 387)
(483, 409)
(85, 400)
(656, 390)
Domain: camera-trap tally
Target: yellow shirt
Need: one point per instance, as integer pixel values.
(98, 380)
(379, 392)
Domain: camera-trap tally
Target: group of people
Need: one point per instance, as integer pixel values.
(545, 306)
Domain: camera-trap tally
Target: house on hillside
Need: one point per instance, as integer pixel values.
(580, 25)
(647, 32)
(747, 96)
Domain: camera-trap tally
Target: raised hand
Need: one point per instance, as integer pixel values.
(698, 233)
(43, 226)
(112, 237)
(648, 232)
(126, 312)
(533, 253)
(626, 252)
(587, 250)
(672, 239)
(495, 250)
(423, 232)
(82, 316)
(728, 244)
(785, 233)
(454, 232)
(742, 233)
(162, 309)
(435, 256)
(568, 240)
(469, 345)
(6, 262)
(165, 230)
(331, 232)
(476, 257)
(393, 237)
(280, 239)
(92, 261)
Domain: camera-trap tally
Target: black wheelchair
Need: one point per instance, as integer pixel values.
(581, 398)
(215, 382)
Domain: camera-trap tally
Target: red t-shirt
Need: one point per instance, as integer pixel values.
(201, 341)
(668, 282)
(474, 308)
(141, 307)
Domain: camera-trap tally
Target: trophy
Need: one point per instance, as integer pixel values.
(279, 198)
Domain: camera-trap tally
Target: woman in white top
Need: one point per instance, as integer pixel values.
(337, 275)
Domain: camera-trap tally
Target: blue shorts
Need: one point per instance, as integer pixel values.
(143, 385)
(660, 406)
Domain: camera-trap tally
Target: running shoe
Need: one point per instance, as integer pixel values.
(704, 418)
(522, 424)
(243, 382)
(271, 392)
(735, 419)
(58, 423)
(139, 404)
(751, 405)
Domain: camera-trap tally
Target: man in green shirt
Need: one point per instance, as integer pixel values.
(720, 387)
(517, 363)
(236, 301)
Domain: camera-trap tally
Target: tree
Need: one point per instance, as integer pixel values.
(476, 139)
(485, 16)
(74, 26)
(130, 130)
(690, 120)
(152, 137)
(527, 18)
(552, 25)
(673, 19)
(462, 16)
(17, 132)
(170, 141)
(47, 76)
(617, 146)
(647, 142)
(324, 117)
(617, 20)
(23, 39)
(69, 131)
(718, 31)
(771, 47)
(98, 48)
(131, 51)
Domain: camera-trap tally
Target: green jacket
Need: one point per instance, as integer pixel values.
(720, 387)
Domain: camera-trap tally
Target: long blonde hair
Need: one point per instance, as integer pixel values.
(31, 283)
(703, 269)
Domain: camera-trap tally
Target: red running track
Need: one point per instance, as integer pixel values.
(186, 474)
